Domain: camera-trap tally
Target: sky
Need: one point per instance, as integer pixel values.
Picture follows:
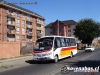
(52, 10)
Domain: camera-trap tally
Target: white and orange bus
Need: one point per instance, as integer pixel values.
(54, 48)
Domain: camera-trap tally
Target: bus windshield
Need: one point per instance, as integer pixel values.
(44, 43)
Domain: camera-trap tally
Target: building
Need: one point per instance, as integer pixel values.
(61, 28)
(19, 25)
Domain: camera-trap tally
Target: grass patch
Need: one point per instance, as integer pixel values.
(97, 46)
(11, 66)
(5, 67)
(3, 58)
(23, 55)
(2, 66)
(17, 56)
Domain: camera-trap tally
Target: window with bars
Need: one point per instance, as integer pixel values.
(17, 29)
(23, 30)
(10, 21)
(38, 31)
(28, 17)
(23, 23)
(69, 30)
(38, 20)
(18, 22)
(17, 37)
(23, 38)
(17, 14)
(23, 15)
(11, 12)
(38, 25)
(29, 23)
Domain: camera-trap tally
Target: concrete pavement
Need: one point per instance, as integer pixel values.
(14, 62)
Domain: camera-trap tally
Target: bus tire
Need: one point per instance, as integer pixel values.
(71, 54)
(56, 59)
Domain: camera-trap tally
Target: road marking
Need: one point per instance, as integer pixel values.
(59, 69)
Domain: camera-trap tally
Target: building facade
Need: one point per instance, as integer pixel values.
(65, 28)
(60, 28)
(19, 25)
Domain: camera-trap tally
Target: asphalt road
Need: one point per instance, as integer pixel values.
(89, 59)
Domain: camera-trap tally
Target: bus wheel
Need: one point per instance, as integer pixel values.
(56, 58)
(71, 55)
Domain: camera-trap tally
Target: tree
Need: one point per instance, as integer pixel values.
(86, 30)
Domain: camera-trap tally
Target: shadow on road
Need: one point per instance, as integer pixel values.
(35, 62)
(45, 62)
(31, 61)
(87, 63)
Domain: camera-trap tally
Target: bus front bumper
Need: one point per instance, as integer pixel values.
(42, 58)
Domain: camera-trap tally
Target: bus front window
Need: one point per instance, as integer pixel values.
(44, 43)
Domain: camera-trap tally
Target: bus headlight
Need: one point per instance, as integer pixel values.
(46, 54)
(49, 53)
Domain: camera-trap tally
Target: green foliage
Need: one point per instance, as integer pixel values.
(86, 30)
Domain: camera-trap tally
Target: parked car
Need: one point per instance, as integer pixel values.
(90, 48)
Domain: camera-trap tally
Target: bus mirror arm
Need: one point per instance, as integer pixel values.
(55, 47)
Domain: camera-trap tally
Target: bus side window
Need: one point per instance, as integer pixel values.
(58, 43)
(63, 43)
(67, 40)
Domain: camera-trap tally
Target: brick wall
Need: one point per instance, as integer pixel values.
(9, 49)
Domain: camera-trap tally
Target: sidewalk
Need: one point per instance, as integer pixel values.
(17, 62)
(14, 62)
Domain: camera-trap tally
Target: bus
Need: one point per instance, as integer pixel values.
(54, 48)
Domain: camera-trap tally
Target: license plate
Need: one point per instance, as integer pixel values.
(41, 58)
(39, 55)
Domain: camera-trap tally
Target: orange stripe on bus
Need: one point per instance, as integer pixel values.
(73, 48)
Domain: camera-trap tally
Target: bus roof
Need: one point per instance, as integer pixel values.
(55, 36)
(58, 36)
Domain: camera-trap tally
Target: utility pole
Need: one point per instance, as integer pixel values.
(58, 26)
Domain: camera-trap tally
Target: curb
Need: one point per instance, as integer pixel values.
(18, 58)
(24, 57)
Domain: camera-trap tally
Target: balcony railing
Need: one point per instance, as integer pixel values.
(17, 32)
(12, 24)
(38, 28)
(30, 40)
(38, 21)
(39, 34)
(30, 20)
(11, 39)
(29, 26)
(11, 31)
(29, 33)
(11, 15)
